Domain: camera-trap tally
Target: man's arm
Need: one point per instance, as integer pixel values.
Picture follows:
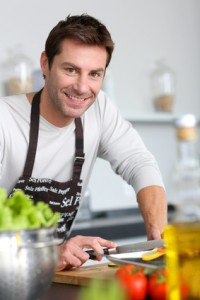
(153, 206)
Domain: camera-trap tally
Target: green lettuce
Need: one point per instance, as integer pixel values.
(19, 212)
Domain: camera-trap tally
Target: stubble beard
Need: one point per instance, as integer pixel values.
(67, 111)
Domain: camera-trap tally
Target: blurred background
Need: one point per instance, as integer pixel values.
(144, 33)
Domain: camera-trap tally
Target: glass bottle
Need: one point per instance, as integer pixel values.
(85, 213)
(108, 84)
(182, 235)
(163, 87)
(17, 71)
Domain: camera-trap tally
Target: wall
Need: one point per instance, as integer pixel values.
(143, 31)
(111, 192)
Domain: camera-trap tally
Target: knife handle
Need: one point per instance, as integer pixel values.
(94, 256)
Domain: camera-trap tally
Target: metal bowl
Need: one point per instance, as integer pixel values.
(28, 260)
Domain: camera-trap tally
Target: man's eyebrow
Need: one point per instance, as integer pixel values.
(99, 70)
(69, 64)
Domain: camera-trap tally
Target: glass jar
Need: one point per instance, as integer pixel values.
(108, 84)
(183, 260)
(85, 213)
(182, 235)
(186, 175)
(17, 72)
(163, 87)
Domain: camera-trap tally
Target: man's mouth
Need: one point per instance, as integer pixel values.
(76, 99)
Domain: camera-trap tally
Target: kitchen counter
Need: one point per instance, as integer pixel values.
(122, 227)
(115, 224)
(67, 284)
(83, 275)
(111, 225)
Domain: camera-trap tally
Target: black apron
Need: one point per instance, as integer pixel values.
(63, 197)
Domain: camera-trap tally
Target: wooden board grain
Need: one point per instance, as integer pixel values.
(83, 275)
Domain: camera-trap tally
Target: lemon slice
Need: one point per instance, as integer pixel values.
(152, 254)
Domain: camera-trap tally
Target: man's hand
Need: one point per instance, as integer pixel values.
(155, 234)
(71, 253)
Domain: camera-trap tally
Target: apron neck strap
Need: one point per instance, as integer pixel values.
(33, 135)
(33, 141)
(79, 155)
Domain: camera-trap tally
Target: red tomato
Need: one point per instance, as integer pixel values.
(134, 282)
(128, 269)
(157, 285)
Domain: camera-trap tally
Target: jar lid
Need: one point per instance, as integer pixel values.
(186, 127)
(187, 120)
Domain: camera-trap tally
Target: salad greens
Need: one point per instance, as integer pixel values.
(19, 212)
(101, 290)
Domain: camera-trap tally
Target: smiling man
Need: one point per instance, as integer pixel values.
(72, 82)
(49, 140)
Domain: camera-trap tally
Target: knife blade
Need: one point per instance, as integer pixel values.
(134, 247)
(115, 258)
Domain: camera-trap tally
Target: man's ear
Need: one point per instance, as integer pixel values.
(44, 63)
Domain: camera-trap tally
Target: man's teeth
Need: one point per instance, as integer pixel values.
(77, 99)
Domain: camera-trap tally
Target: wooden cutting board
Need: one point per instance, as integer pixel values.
(83, 275)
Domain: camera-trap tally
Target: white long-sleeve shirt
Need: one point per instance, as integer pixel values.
(106, 135)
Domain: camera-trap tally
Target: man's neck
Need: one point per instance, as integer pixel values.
(51, 117)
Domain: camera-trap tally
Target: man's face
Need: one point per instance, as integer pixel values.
(74, 79)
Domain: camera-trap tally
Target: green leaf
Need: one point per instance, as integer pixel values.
(102, 290)
(6, 219)
(3, 197)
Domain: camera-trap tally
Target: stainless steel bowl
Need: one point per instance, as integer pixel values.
(28, 260)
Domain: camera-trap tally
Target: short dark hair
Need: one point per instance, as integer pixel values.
(83, 28)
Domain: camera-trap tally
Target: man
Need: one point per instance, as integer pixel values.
(49, 141)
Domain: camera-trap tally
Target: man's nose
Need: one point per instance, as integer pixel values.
(82, 84)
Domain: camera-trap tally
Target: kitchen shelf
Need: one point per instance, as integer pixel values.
(157, 117)
(151, 117)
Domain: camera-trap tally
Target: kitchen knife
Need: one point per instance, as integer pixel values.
(116, 259)
(141, 246)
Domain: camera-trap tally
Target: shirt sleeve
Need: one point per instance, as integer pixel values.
(123, 147)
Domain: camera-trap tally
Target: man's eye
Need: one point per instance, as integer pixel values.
(70, 70)
(96, 74)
